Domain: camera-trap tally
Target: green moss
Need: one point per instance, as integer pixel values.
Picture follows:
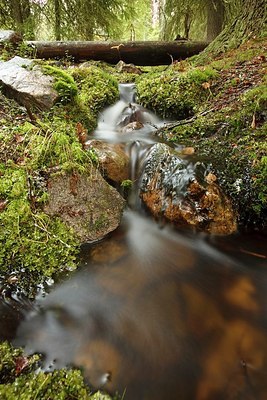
(27, 385)
(10, 50)
(12, 361)
(127, 183)
(97, 89)
(172, 93)
(31, 243)
(256, 99)
(236, 152)
(64, 82)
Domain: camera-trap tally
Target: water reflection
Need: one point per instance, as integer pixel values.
(155, 315)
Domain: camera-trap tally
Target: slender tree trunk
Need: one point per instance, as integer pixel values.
(57, 19)
(21, 13)
(187, 22)
(215, 18)
(17, 14)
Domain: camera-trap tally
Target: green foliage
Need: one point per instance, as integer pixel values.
(30, 240)
(97, 89)
(8, 359)
(256, 98)
(184, 17)
(58, 385)
(172, 93)
(64, 82)
(22, 49)
(127, 183)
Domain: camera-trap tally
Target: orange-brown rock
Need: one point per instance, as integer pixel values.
(113, 160)
(181, 191)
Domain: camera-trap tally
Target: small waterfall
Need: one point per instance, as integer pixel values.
(126, 120)
(127, 92)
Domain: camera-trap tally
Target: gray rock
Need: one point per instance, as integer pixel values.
(184, 192)
(27, 86)
(88, 204)
(9, 36)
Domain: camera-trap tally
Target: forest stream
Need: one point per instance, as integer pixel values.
(155, 312)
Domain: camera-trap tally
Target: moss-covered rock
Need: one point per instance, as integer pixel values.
(97, 89)
(225, 100)
(33, 244)
(64, 83)
(234, 143)
(173, 93)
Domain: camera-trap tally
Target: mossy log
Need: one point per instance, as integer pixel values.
(139, 53)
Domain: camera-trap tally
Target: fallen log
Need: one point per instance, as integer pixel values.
(139, 53)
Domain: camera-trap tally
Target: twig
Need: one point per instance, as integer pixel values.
(172, 125)
(51, 234)
(30, 114)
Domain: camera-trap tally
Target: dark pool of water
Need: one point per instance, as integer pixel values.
(157, 315)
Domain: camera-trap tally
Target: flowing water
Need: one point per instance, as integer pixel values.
(154, 313)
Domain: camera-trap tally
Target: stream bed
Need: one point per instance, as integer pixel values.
(153, 312)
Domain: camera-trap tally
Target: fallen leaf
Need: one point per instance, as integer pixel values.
(12, 279)
(3, 204)
(73, 184)
(206, 85)
(82, 133)
(21, 363)
(188, 151)
(211, 178)
(19, 138)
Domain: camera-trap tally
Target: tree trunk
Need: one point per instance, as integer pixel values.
(215, 19)
(57, 27)
(139, 53)
(249, 23)
(187, 22)
(17, 14)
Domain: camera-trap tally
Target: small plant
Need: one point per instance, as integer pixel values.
(127, 184)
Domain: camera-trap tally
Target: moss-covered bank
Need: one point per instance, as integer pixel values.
(34, 246)
(30, 150)
(222, 106)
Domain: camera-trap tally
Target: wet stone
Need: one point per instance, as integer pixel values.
(112, 158)
(183, 192)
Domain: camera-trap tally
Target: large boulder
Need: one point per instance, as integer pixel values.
(87, 203)
(9, 36)
(184, 192)
(27, 84)
(113, 160)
